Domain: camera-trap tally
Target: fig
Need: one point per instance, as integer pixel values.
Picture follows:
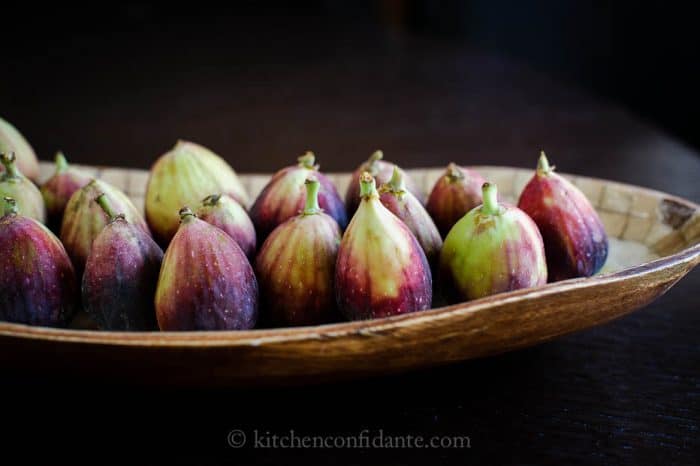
(296, 264)
(284, 196)
(205, 281)
(121, 273)
(455, 193)
(12, 140)
(493, 249)
(84, 219)
(37, 281)
(381, 268)
(406, 207)
(59, 188)
(184, 176)
(574, 237)
(223, 212)
(382, 171)
(26, 195)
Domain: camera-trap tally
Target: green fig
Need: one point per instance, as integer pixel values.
(58, 189)
(12, 140)
(13, 184)
(493, 249)
(184, 176)
(224, 212)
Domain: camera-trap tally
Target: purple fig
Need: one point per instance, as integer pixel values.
(12, 140)
(205, 281)
(455, 193)
(27, 196)
(37, 281)
(574, 237)
(284, 196)
(406, 207)
(296, 264)
(184, 176)
(84, 219)
(493, 249)
(381, 269)
(224, 212)
(58, 189)
(121, 273)
(382, 171)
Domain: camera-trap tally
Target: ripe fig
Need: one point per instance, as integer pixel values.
(59, 188)
(455, 193)
(296, 265)
(184, 176)
(37, 281)
(382, 171)
(493, 249)
(223, 212)
(205, 281)
(12, 140)
(381, 269)
(121, 273)
(406, 207)
(284, 196)
(27, 196)
(84, 219)
(574, 237)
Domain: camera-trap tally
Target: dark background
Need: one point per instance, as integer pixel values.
(608, 88)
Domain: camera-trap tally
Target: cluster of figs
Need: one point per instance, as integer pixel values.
(200, 259)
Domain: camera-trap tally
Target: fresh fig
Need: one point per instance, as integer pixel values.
(58, 189)
(27, 196)
(284, 196)
(296, 265)
(37, 281)
(455, 193)
(121, 273)
(205, 281)
(574, 237)
(406, 207)
(84, 219)
(382, 171)
(184, 176)
(381, 268)
(223, 212)
(12, 140)
(493, 249)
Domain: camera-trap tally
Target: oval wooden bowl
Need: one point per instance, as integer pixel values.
(654, 243)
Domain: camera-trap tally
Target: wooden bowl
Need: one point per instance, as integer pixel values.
(654, 243)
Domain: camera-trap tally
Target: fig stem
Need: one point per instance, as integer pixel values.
(376, 156)
(10, 206)
(368, 187)
(103, 202)
(543, 167)
(8, 161)
(186, 214)
(61, 162)
(453, 172)
(312, 206)
(307, 160)
(211, 200)
(490, 195)
(397, 182)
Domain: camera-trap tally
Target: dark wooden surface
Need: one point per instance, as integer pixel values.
(624, 393)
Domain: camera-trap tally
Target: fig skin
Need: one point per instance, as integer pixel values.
(381, 268)
(15, 185)
(11, 140)
(184, 176)
(574, 236)
(224, 212)
(121, 273)
(382, 172)
(455, 193)
(37, 281)
(296, 265)
(58, 189)
(205, 281)
(402, 203)
(84, 219)
(284, 196)
(493, 249)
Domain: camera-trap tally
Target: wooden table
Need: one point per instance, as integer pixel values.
(628, 392)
